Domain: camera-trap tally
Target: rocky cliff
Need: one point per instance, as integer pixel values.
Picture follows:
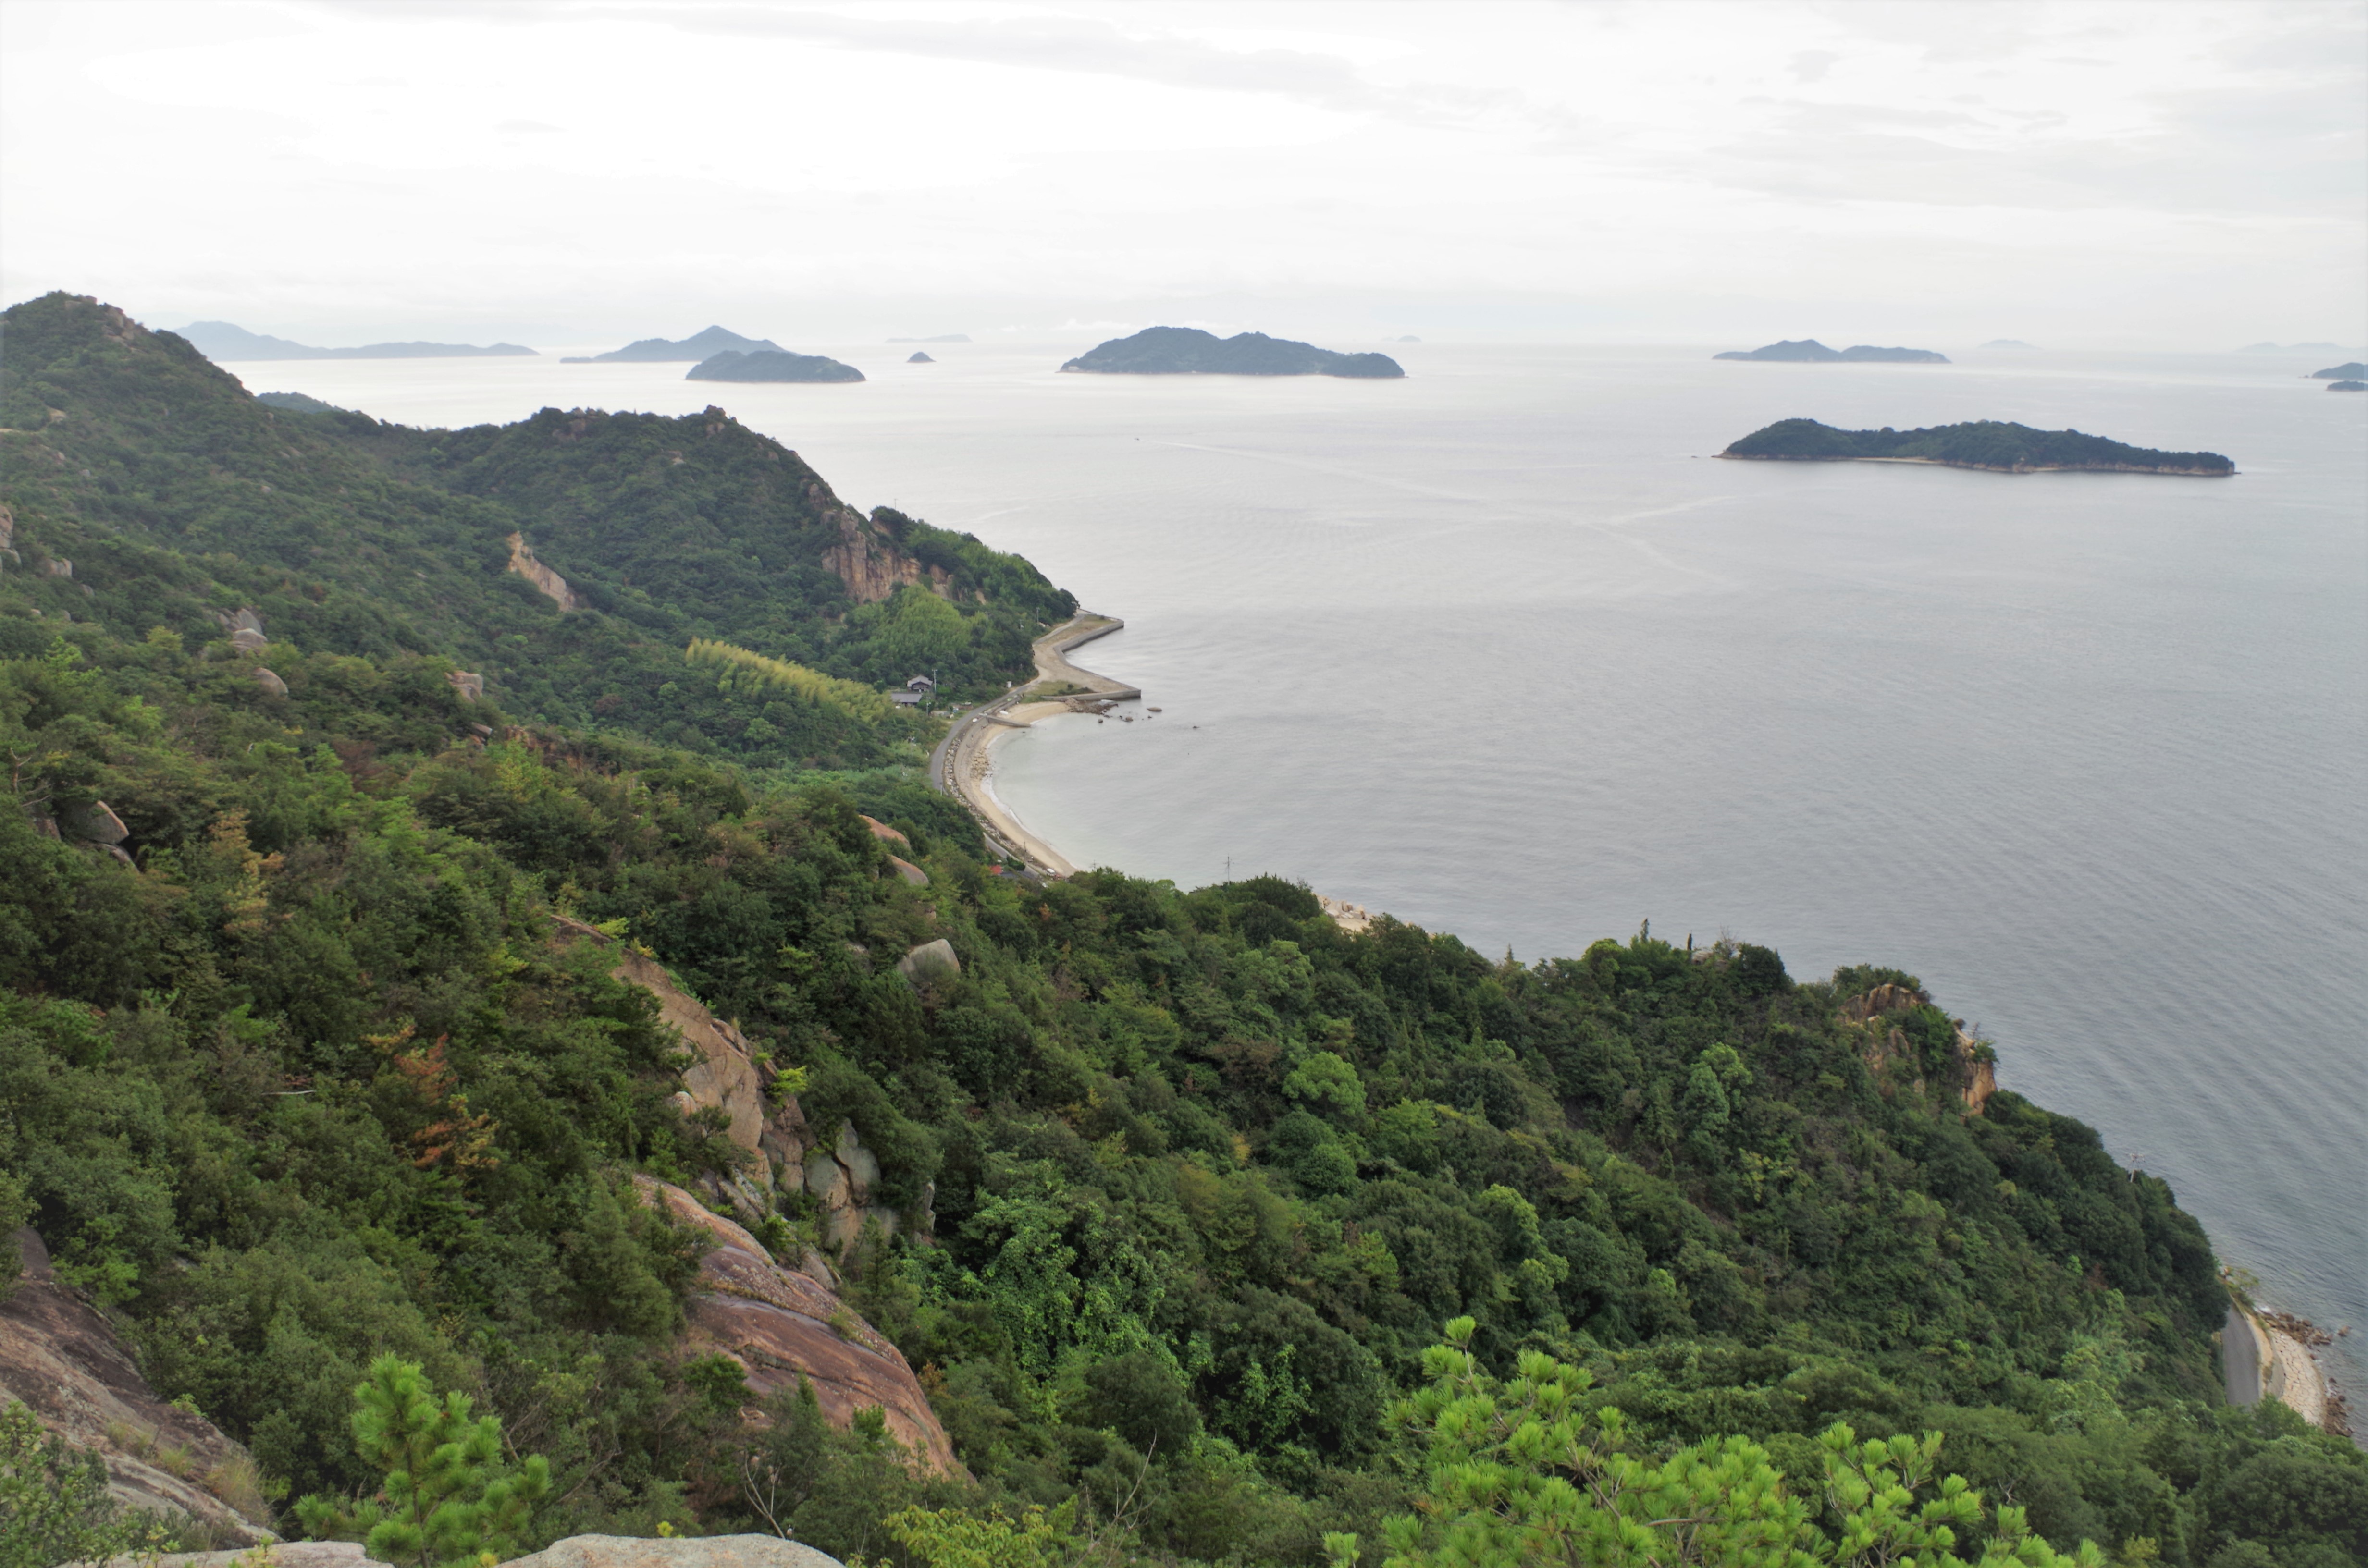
(870, 561)
(780, 1325)
(1891, 1048)
(523, 563)
(60, 1356)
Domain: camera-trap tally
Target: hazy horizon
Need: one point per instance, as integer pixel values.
(2183, 177)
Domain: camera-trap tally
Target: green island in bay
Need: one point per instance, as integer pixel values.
(1989, 444)
(475, 920)
(771, 364)
(1189, 351)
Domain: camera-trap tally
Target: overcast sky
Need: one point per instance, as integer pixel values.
(2151, 175)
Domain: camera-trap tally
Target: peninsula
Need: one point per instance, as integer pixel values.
(1809, 351)
(2352, 371)
(224, 343)
(771, 364)
(1989, 444)
(698, 345)
(1189, 351)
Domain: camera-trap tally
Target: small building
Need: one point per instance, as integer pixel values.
(923, 685)
(905, 699)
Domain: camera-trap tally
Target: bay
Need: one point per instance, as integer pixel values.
(1501, 649)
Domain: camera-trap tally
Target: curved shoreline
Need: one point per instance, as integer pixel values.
(2265, 1354)
(960, 764)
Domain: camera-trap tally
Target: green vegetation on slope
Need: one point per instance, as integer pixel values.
(1984, 443)
(316, 1078)
(176, 497)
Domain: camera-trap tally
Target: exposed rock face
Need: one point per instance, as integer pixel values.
(928, 961)
(910, 872)
(469, 684)
(95, 824)
(780, 1323)
(7, 527)
(868, 561)
(284, 1554)
(270, 682)
(1981, 1075)
(553, 585)
(64, 1360)
(886, 835)
(56, 566)
(726, 1073)
(713, 1551)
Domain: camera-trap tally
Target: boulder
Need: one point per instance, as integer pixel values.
(271, 684)
(470, 686)
(711, 1552)
(886, 833)
(930, 960)
(247, 641)
(781, 1323)
(910, 872)
(65, 1361)
(95, 824)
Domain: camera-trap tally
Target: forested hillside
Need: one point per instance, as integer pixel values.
(314, 1062)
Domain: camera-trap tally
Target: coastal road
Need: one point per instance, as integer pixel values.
(958, 765)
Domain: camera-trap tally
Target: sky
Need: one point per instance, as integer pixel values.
(2166, 175)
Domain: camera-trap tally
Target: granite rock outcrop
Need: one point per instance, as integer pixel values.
(65, 1361)
(711, 1552)
(780, 1325)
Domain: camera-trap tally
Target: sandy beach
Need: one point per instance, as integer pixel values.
(962, 763)
(2266, 1356)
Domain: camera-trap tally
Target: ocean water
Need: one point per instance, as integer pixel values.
(1501, 649)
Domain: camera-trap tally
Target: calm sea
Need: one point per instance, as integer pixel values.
(1501, 649)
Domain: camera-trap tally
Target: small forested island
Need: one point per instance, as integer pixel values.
(471, 922)
(2353, 372)
(771, 364)
(1983, 443)
(1809, 351)
(2347, 386)
(223, 344)
(1189, 351)
(698, 345)
(920, 356)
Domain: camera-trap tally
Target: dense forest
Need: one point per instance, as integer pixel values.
(1982, 443)
(1245, 1233)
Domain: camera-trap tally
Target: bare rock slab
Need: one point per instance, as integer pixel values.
(711, 1552)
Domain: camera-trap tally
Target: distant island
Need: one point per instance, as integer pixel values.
(1189, 351)
(2007, 343)
(771, 364)
(298, 402)
(2291, 348)
(2353, 372)
(1409, 338)
(698, 345)
(222, 343)
(2347, 386)
(1983, 443)
(941, 337)
(1808, 350)
(919, 358)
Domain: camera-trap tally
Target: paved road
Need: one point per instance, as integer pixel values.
(949, 762)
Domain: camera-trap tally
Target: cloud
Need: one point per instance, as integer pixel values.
(1066, 43)
(1811, 64)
